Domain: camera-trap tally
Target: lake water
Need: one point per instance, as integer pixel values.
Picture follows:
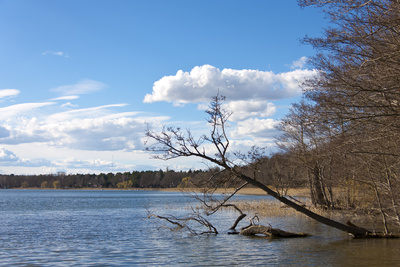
(109, 228)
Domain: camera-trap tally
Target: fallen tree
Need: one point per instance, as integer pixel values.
(173, 143)
(196, 224)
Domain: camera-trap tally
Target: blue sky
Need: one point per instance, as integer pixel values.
(80, 79)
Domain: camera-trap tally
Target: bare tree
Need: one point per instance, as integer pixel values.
(305, 138)
(173, 143)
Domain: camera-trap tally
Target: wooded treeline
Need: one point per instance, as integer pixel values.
(137, 179)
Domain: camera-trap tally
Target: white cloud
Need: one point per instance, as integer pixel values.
(69, 97)
(82, 87)
(251, 108)
(202, 82)
(98, 165)
(300, 63)
(4, 132)
(35, 162)
(20, 109)
(62, 54)
(97, 128)
(256, 128)
(89, 164)
(8, 158)
(8, 93)
(92, 112)
(69, 104)
(7, 155)
(250, 96)
(98, 134)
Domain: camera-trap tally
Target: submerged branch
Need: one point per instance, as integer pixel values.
(183, 223)
(171, 220)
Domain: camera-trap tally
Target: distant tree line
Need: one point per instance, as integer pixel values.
(134, 179)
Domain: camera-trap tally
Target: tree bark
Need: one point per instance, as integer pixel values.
(269, 231)
(237, 221)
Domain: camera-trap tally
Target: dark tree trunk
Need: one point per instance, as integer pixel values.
(320, 198)
(355, 231)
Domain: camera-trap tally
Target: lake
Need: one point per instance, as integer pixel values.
(109, 228)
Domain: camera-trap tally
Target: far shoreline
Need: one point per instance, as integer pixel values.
(296, 192)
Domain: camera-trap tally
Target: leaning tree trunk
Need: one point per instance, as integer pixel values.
(355, 231)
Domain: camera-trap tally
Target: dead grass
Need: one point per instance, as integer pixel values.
(294, 192)
(265, 208)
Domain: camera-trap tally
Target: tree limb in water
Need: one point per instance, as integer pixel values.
(183, 223)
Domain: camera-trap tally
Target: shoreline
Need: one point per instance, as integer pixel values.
(294, 192)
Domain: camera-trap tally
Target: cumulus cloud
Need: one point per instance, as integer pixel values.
(8, 93)
(256, 128)
(250, 94)
(203, 81)
(86, 86)
(99, 134)
(251, 108)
